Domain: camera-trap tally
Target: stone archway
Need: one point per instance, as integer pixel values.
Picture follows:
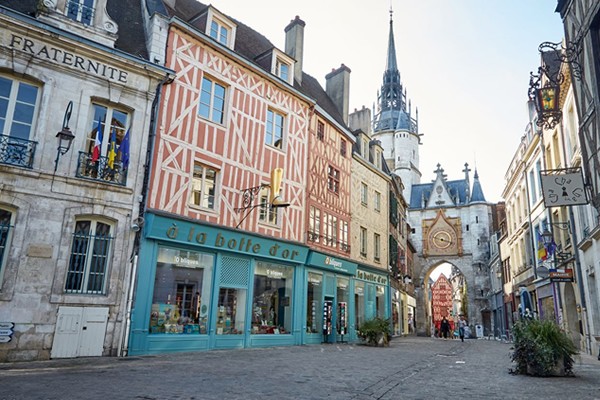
(475, 277)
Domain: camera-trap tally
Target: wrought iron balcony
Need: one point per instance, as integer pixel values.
(328, 241)
(15, 151)
(99, 170)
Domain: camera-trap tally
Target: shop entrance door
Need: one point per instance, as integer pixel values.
(230, 322)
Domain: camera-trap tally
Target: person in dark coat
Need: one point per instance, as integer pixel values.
(445, 327)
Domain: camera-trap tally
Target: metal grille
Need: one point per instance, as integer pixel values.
(234, 272)
(89, 258)
(15, 151)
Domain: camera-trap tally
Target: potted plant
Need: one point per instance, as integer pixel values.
(542, 348)
(375, 332)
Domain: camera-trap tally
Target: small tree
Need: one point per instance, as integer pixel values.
(375, 332)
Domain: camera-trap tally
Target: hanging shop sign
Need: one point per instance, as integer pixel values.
(561, 275)
(563, 187)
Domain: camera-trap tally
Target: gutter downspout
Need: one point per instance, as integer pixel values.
(143, 205)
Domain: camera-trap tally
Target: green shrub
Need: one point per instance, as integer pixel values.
(541, 348)
(375, 331)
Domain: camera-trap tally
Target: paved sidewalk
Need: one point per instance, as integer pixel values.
(411, 368)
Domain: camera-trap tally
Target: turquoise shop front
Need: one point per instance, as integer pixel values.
(329, 299)
(202, 287)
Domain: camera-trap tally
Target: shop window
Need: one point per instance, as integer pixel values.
(231, 311)
(272, 311)
(106, 153)
(181, 297)
(81, 11)
(212, 100)
(204, 182)
(359, 304)
(274, 129)
(380, 301)
(88, 262)
(343, 293)
(18, 103)
(314, 296)
(5, 235)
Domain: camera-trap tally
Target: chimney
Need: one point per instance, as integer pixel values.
(294, 45)
(338, 89)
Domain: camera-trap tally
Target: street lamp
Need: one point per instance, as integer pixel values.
(560, 258)
(65, 136)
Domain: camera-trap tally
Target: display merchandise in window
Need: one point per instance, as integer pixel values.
(231, 311)
(272, 302)
(342, 293)
(181, 298)
(314, 296)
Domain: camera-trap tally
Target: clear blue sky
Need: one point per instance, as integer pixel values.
(465, 65)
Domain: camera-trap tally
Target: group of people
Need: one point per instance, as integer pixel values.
(446, 327)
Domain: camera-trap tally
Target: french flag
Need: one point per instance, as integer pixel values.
(97, 142)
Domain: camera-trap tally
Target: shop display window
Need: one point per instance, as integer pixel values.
(181, 299)
(272, 302)
(359, 304)
(314, 296)
(231, 311)
(380, 301)
(342, 298)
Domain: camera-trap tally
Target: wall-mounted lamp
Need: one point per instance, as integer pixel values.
(65, 136)
(544, 88)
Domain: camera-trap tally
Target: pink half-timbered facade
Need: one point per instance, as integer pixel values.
(235, 149)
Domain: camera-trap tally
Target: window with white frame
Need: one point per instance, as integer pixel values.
(106, 145)
(332, 230)
(282, 69)
(377, 201)
(18, 103)
(333, 179)
(267, 213)
(365, 149)
(377, 246)
(212, 100)
(204, 183)
(344, 236)
(81, 11)
(364, 194)
(314, 223)
(89, 258)
(363, 241)
(219, 31)
(274, 129)
(6, 226)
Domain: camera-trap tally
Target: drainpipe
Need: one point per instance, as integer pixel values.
(124, 345)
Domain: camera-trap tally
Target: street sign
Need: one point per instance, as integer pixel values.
(5, 339)
(6, 325)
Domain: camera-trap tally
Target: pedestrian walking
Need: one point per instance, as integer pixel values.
(462, 323)
(445, 327)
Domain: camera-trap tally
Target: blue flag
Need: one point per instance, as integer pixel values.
(124, 150)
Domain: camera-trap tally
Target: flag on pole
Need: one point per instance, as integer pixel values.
(542, 253)
(97, 142)
(124, 150)
(112, 145)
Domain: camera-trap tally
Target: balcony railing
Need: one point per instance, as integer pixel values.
(327, 241)
(15, 151)
(99, 170)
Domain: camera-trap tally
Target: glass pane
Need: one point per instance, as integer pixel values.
(214, 30)
(359, 304)
(5, 86)
(231, 311)
(181, 298)
(27, 93)
(79, 249)
(272, 302)
(343, 294)
(223, 35)
(314, 296)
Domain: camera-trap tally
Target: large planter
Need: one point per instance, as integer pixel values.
(375, 332)
(541, 348)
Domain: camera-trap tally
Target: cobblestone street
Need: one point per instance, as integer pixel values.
(411, 368)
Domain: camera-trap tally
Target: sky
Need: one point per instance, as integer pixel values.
(464, 63)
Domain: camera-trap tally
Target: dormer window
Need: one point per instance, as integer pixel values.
(220, 28)
(281, 66)
(81, 11)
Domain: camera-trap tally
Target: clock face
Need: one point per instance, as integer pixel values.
(442, 240)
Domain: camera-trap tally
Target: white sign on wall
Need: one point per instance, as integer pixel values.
(563, 187)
